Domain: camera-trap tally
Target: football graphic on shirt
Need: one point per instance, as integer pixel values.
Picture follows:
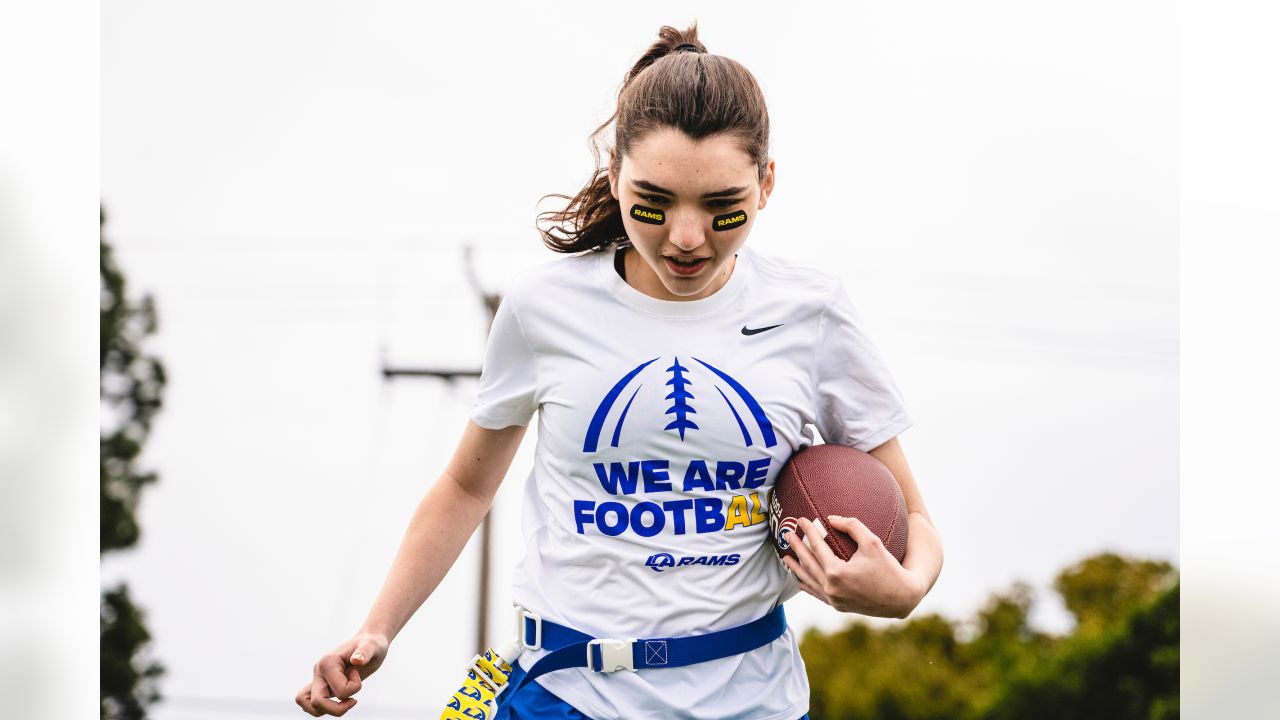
(832, 479)
(678, 387)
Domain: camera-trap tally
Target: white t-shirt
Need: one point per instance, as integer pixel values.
(661, 427)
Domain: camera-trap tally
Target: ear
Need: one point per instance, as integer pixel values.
(766, 185)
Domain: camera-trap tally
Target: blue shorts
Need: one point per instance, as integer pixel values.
(535, 702)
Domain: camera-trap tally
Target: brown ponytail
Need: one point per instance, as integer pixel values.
(695, 92)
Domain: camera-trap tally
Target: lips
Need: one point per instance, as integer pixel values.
(690, 269)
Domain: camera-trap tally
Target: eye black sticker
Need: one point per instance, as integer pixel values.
(728, 221)
(653, 216)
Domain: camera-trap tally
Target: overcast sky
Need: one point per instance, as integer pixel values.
(995, 182)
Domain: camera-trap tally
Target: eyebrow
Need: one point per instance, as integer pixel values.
(646, 185)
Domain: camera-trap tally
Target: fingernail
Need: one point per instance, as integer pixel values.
(357, 656)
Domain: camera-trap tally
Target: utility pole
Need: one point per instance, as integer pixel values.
(490, 302)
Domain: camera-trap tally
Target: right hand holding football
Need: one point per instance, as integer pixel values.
(338, 674)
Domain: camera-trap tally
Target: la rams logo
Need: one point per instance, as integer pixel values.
(661, 561)
(680, 385)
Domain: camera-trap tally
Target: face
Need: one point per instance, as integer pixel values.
(689, 184)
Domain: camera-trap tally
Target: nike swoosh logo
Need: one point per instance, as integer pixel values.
(745, 331)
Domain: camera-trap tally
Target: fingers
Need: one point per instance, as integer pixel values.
(339, 674)
(802, 564)
(856, 529)
(330, 681)
(353, 681)
(303, 699)
(364, 654)
(369, 653)
(332, 668)
(820, 551)
(316, 701)
(807, 567)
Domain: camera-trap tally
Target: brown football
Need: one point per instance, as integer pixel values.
(822, 480)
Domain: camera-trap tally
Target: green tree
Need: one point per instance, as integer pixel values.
(1120, 661)
(1101, 589)
(129, 682)
(132, 388)
(1128, 669)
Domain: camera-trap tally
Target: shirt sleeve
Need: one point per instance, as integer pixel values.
(508, 378)
(858, 402)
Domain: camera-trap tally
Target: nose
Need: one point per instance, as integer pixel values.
(687, 231)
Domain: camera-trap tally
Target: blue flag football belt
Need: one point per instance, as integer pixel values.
(571, 648)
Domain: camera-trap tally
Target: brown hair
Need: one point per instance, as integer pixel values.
(695, 92)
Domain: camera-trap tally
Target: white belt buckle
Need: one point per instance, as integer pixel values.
(615, 654)
(521, 614)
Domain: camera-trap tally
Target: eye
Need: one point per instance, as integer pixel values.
(716, 204)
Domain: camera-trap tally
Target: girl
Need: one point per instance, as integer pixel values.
(673, 371)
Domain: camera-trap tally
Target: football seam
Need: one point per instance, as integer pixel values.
(893, 527)
(813, 511)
